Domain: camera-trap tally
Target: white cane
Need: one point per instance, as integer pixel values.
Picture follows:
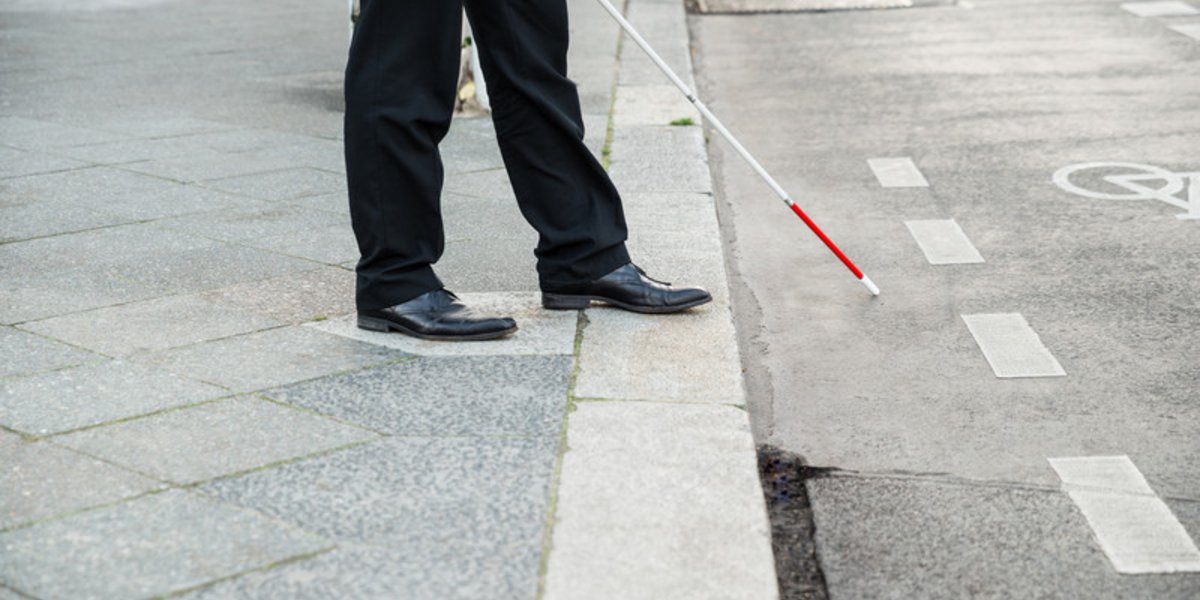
(741, 150)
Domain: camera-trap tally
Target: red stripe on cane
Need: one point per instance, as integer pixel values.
(824, 238)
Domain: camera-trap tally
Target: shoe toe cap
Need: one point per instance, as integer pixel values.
(494, 325)
(692, 296)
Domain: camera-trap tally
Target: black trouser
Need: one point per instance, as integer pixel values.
(400, 92)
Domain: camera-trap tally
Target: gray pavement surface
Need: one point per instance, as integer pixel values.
(943, 488)
(187, 409)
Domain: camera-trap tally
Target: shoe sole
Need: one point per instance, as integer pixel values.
(574, 302)
(385, 326)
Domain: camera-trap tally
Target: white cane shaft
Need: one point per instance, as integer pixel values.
(637, 38)
(741, 150)
(687, 92)
(729, 137)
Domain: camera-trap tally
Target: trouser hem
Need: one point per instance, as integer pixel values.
(379, 293)
(589, 270)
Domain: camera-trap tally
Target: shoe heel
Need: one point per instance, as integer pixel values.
(565, 302)
(372, 324)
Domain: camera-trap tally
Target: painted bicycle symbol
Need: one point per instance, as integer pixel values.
(1139, 182)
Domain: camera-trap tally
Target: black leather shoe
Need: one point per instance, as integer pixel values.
(629, 288)
(436, 315)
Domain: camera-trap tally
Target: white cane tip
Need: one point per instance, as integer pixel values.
(866, 281)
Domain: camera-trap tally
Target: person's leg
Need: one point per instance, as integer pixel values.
(561, 188)
(400, 78)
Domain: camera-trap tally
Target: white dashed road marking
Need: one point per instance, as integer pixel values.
(1160, 9)
(897, 172)
(1192, 30)
(943, 242)
(1136, 529)
(1012, 347)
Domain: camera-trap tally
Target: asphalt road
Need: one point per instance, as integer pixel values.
(941, 484)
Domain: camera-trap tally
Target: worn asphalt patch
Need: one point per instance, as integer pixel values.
(792, 533)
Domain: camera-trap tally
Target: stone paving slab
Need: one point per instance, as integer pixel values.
(149, 325)
(510, 395)
(540, 331)
(294, 231)
(287, 184)
(202, 442)
(637, 69)
(294, 297)
(687, 357)
(163, 125)
(270, 358)
(212, 165)
(121, 193)
(424, 493)
(414, 572)
(217, 264)
(684, 261)
(92, 394)
(489, 245)
(659, 501)
(489, 183)
(235, 141)
(664, 25)
(653, 105)
(32, 134)
(660, 159)
(17, 163)
(317, 153)
(25, 220)
(56, 292)
(486, 218)
(25, 353)
(251, 222)
(331, 244)
(41, 480)
(335, 202)
(673, 237)
(489, 265)
(150, 546)
(469, 146)
(99, 248)
(131, 150)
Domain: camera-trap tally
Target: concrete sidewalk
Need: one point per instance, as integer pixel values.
(186, 408)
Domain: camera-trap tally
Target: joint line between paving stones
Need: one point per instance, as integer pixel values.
(194, 485)
(238, 392)
(165, 295)
(239, 243)
(581, 324)
(261, 395)
(591, 400)
(556, 477)
(262, 569)
(30, 374)
(606, 150)
(16, 592)
(169, 409)
(85, 230)
(88, 509)
(89, 165)
(474, 171)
